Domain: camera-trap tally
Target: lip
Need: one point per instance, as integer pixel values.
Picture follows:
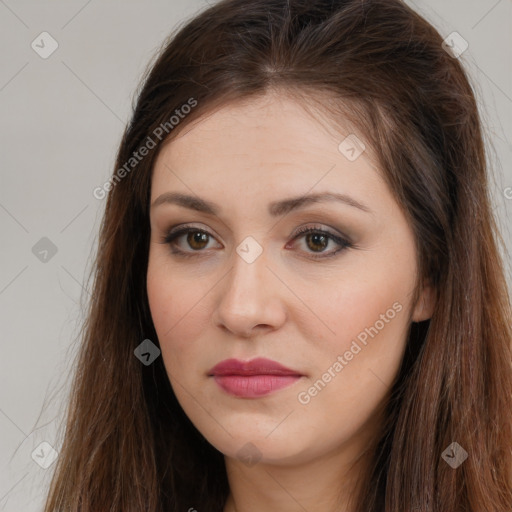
(252, 379)
(258, 366)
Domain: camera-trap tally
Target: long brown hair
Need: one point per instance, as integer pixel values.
(128, 445)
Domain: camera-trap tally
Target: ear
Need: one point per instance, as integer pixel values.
(424, 308)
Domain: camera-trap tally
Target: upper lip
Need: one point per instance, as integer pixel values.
(258, 366)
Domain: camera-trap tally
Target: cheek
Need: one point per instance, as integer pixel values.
(179, 314)
(353, 370)
(369, 300)
(365, 321)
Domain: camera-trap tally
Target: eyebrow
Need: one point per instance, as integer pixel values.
(275, 209)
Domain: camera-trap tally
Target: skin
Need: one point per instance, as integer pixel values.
(286, 305)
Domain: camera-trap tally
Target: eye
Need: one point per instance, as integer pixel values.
(316, 241)
(196, 238)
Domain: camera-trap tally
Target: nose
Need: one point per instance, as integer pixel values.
(249, 300)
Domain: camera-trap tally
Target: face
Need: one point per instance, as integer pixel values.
(249, 268)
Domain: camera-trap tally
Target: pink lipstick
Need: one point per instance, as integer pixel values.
(252, 379)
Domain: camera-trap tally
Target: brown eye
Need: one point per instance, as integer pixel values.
(188, 240)
(316, 241)
(197, 239)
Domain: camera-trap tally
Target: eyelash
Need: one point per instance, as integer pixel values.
(171, 236)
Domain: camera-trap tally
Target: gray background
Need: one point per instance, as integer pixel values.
(61, 121)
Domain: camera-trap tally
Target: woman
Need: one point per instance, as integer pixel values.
(299, 300)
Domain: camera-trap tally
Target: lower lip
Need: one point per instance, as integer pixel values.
(254, 386)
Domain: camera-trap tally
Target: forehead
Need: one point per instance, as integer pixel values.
(276, 120)
(273, 142)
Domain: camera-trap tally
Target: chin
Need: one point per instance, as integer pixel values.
(252, 446)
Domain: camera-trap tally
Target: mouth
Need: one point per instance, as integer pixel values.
(253, 379)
